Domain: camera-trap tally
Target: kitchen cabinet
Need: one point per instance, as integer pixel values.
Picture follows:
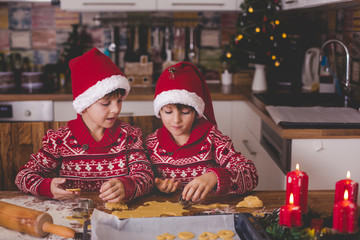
(295, 4)
(247, 136)
(64, 110)
(326, 161)
(150, 5)
(108, 5)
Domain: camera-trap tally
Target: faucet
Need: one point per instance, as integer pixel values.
(347, 88)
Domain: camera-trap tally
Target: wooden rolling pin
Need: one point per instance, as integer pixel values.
(32, 222)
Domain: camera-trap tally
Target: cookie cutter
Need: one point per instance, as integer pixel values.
(184, 202)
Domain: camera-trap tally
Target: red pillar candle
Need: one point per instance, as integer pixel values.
(290, 215)
(345, 215)
(297, 183)
(349, 185)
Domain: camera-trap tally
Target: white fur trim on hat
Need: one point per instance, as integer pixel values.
(177, 96)
(99, 90)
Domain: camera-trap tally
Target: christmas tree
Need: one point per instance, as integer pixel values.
(259, 36)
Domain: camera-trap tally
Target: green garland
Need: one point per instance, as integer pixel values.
(270, 222)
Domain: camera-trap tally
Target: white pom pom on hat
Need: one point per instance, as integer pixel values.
(183, 83)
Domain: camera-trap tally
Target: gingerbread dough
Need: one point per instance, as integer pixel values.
(250, 202)
(153, 209)
(116, 206)
(210, 206)
(74, 189)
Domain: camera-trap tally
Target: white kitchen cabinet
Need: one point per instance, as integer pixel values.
(246, 134)
(326, 161)
(108, 5)
(64, 110)
(197, 5)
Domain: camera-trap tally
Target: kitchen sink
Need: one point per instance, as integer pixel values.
(301, 99)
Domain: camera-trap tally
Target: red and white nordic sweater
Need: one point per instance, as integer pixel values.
(207, 150)
(72, 153)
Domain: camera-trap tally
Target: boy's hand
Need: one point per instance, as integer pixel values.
(112, 191)
(58, 192)
(199, 187)
(167, 185)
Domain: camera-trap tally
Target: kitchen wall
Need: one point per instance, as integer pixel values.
(38, 30)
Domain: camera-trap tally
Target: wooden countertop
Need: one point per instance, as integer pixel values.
(218, 92)
(320, 201)
(293, 133)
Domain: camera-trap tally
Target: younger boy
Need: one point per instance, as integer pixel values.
(96, 151)
(188, 150)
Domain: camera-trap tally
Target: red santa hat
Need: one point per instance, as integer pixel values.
(183, 83)
(93, 75)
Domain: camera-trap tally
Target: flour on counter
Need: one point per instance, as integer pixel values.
(58, 210)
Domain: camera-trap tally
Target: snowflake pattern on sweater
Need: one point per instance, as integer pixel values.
(71, 153)
(207, 150)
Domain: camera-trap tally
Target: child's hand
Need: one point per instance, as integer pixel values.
(167, 185)
(58, 192)
(199, 187)
(112, 191)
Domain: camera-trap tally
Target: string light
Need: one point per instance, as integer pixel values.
(277, 63)
(277, 22)
(272, 38)
(284, 35)
(239, 37)
(228, 55)
(273, 57)
(257, 29)
(251, 10)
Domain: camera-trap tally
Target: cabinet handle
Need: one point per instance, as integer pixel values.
(245, 142)
(198, 4)
(108, 4)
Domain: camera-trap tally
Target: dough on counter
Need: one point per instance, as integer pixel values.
(210, 206)
(116, 206)
(153, 209)
(250, 202)
(186, 235)
(74, 189)
(225, 234)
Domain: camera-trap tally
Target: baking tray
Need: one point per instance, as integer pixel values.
(107, 226)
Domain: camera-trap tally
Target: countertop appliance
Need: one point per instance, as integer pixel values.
(26, 111)
(310, 74)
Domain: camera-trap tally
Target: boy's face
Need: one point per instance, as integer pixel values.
(103, 113)
(178, 121)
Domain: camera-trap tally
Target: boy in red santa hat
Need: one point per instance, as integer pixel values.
(95, 151)
(188, 150)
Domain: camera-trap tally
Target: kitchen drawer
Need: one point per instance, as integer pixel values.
(251, 121)
(108, 5)
(270, 175)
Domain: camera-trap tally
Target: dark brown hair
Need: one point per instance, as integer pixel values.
(116, 93)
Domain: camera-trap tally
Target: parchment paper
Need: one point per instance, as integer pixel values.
(105, 226)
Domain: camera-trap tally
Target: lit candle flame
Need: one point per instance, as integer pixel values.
(346, 195)
(291, 199)
(348, 174)
(297, 167)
